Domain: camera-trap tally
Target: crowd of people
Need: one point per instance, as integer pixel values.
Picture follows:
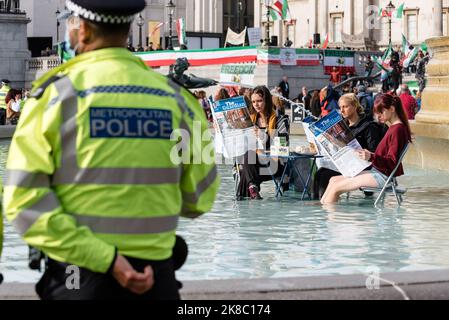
(11, 103)
(357, 104)
(379, 121)
(152, 47)
(322, 102)
(366, 113)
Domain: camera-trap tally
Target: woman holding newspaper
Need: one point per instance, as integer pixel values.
(253, 169)
(367, 132)
(389, 110)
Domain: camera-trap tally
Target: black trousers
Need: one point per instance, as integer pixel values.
(256, 173)
(2, 116)
(95, 286)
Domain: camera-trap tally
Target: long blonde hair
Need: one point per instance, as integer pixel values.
(352, 100)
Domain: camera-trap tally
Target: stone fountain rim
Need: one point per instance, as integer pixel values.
(438, 42)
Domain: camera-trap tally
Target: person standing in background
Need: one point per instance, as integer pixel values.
(335, 77)
(4, 89)
(408, 102)
(285, 87)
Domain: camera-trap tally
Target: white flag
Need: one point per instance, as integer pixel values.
(236, 39)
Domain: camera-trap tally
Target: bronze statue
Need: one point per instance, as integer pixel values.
(190, 81)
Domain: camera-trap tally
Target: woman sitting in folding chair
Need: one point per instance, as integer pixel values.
(254, 169)
(389, 110)
(367, 132)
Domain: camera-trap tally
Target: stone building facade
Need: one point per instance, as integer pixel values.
(14, 50)
(204, 21)
(358, 19)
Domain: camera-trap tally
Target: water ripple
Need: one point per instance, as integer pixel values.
(286, 238)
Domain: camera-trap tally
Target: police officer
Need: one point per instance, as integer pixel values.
(4, 89)
(93, 177)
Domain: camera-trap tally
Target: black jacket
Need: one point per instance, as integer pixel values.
(369, 133)
(306, 100)
(285, 88)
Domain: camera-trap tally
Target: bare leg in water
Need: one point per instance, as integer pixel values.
(340, 185)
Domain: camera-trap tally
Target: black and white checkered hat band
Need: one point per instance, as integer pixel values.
(98, 17)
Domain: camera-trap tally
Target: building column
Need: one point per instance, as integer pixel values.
(324, 17)
(198, 10)
(205, 15)
(314, 20)
(348, 17)
(437, 18)
(190, 17)
(366, 22)
(351, 17)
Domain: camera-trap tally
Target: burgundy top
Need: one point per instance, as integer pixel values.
(409, 104)
(389, 150)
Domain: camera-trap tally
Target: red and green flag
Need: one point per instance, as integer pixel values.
(409, 51)
(343, 60)
(282, 7)
(181, 29)
(399, 13)
(384, 62)
(405, 44)
(384, 13)
(325, 44)
(424, 47)
(275, 14)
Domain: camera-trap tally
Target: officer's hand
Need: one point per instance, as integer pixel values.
(138, 283)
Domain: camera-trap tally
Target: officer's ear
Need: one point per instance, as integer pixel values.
(86, 32)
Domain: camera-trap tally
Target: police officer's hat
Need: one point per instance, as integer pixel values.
(109, 12)
(5, 81)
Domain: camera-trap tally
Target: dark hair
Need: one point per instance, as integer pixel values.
(386, 101)
(249, 105)
(11, 95)
(267, 98)
(222, 94)
(104, 30)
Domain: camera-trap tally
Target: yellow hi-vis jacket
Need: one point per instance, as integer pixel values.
(91, 168)
(3, 93)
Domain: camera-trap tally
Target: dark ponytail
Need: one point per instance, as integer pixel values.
(386, 101)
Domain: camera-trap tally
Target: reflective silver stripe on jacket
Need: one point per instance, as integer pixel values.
(108, 225)
(194, 197)
(70, 173)
(25, 179)
(29, 216)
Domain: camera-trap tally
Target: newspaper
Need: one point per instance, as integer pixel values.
(314, 146)
(235, 132)
(336, 141)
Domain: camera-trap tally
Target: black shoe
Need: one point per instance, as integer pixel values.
(239, 198)
(285, 187)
